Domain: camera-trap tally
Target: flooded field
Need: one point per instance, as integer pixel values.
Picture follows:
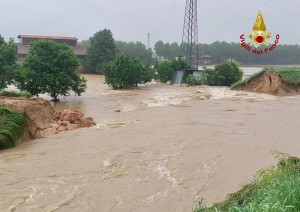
(155, 148)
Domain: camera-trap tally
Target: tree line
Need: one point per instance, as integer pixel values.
(222, 51)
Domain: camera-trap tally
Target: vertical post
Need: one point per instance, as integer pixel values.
(148, 41)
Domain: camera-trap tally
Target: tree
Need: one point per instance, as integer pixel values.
(50, 68)
(102, 48)
(159, 48)
(126, 71)
(8, 56)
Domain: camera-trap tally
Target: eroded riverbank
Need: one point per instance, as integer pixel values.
(154, 158)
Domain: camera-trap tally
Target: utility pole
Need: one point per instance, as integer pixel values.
(190, 33)
(148, 41)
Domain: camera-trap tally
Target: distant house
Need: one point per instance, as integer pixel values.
(206, 60)
(25, 40)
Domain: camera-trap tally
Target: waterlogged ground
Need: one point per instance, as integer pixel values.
(155, 148)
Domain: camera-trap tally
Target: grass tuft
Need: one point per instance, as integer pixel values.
(274, 189)
(12, 124)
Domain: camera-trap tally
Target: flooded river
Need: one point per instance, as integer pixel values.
(155, 148)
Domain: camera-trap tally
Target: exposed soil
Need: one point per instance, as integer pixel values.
(270, 83)
(43, 119)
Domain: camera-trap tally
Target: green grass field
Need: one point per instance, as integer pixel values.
(274, 189)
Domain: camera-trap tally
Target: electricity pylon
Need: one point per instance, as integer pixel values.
(190, 33)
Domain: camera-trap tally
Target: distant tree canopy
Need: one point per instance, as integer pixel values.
(8, 56)
(50, 68)
(136, 49)
(102, 48)
(223, 51)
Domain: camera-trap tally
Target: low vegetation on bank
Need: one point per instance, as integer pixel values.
(12, 124)
(15, 93)
(274, 189)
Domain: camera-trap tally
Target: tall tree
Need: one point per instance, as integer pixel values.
(159, 48)
(8, 56)
(102, 48)
(50, 68)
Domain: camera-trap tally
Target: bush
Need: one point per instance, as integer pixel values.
(12, 124)
(165, 69)
(224, 74)
(126, 71)
(191, 80)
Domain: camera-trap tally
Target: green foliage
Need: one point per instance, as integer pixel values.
(165, 69)
(15, 93)
(274, 189)
(50, 68)
(229, 73)
(8, 56)
(126, 71)
(191, 80)
(224, 74)
(136, 49)
(12, 124)
(102, 48)
(223, 51)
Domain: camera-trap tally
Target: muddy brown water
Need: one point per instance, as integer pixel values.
(163, 151)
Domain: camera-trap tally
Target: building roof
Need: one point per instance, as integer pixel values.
(78, 50)
(47, 37)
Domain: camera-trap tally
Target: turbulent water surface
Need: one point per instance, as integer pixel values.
(155, 148)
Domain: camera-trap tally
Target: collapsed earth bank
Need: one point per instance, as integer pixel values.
(270, 83)
(43, 119)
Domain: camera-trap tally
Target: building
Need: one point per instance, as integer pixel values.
(25, 40)
(206, 60)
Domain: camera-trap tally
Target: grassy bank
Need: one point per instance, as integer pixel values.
(12, 124)
(274, 189)
(291, 75)
(14, 93)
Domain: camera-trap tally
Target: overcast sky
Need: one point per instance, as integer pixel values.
(131, 20)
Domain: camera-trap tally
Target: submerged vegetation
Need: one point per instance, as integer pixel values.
(274, 189)
(12, 124)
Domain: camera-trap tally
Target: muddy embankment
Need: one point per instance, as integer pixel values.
(270, 83)
(43, 119)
